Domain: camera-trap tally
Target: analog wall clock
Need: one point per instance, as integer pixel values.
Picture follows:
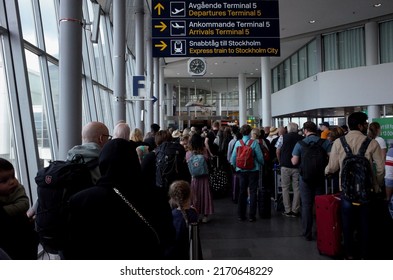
(197, 66)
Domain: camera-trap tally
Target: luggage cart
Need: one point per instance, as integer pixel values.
(278, 199)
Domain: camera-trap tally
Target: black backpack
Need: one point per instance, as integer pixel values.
(356, 174)
(56, 183)
(170, 164)
(313, 161)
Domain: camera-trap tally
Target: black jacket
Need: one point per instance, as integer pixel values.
(289, 142)
(102, 226)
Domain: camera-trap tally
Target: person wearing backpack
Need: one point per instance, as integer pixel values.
(58, 181)
(94, 136)
(247, 158)
(170, 159)
(311, 154)
(197, 161)
(120, 218)
(367, 177)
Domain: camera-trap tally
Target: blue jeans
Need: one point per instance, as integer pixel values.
(307, 196)
(248, 180)
(355, 218)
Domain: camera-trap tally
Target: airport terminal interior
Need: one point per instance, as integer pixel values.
(66, 63)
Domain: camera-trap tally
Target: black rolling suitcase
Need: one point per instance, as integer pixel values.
(235, 187)
(263, 197)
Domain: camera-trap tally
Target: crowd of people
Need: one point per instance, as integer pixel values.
(145, 196)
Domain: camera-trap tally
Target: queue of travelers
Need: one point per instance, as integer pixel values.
(147, 190)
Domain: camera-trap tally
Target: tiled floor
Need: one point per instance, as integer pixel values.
(278, 238)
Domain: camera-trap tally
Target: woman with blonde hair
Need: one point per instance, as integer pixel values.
(374, 131)
(142, 148)
(136, 135)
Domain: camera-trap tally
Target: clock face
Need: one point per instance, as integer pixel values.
(197, 66)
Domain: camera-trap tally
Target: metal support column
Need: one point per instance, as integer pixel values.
(162, 95)
(242, 100)
(266, 82)
(371, 38)
(70, 75)
(119, 64)
(149, 82)
(140, 57)
(156, 89)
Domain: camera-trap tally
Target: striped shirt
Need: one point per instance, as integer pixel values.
(389, 169)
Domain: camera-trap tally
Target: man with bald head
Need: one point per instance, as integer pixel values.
(122, 130)
(94, 137)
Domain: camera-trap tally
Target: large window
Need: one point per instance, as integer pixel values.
(50, 27)
(330, 52)
(343, 50)
(27, 20)
(303, 64)
(299, 66)
(386, 41)
(54, 82)
(294, 67)
(7, 143)
(39, 108)
(351, 48)
(312, 58)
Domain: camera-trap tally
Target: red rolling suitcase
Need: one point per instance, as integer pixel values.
(328, 221)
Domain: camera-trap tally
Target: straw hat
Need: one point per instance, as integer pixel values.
(273, 131)
(176, 133)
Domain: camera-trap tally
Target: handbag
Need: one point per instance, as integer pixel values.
(218, 179)
(137, 213)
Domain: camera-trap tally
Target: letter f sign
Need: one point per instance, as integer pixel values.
(138, 82)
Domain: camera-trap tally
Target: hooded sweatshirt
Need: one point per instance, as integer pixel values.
(89, 151)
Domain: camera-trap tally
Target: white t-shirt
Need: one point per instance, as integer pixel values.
(381, 142)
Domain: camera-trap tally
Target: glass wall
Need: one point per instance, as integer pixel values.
(296, 68)
(343, 50)
(37, 114)
(340, 50)
(386, 41)
(50, 27)
(7, 143)
(27, 21)
(39, 108)
(351, 48)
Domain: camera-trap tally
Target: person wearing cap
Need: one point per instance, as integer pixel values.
(176, 135)
(324, 126)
